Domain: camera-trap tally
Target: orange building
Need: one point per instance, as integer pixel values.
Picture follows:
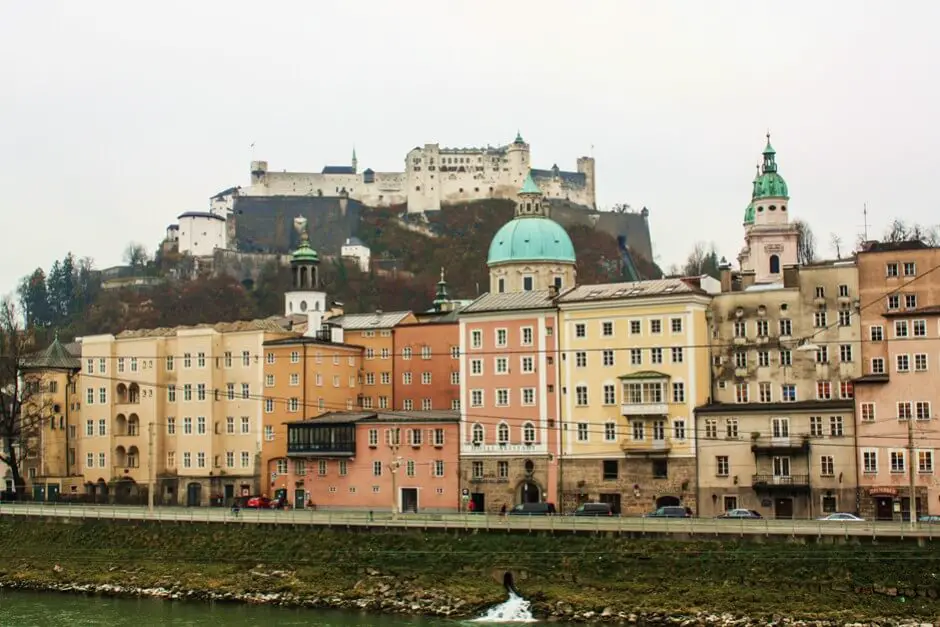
(375, 332)
(304, 377)
(383, 461)
(427, 365)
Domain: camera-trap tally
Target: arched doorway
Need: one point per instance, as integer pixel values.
(530, 492)
(194, 494)
(668, 501)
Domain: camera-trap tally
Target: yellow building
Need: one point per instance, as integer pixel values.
(634, 365)
(50, 415)
(179, 406)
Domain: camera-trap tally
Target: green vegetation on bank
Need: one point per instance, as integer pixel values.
(588, 572)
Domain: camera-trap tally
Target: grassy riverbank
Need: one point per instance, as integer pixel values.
(561, 574)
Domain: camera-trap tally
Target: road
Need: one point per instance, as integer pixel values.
(685, 526)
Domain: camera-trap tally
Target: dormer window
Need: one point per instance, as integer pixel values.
(500, 285)
(527, 283)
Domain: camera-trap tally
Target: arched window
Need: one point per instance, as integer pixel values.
(477, 435)
(503, 433)
(528, 434)
(774, 264)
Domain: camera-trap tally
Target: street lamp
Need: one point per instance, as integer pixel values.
(393, 467)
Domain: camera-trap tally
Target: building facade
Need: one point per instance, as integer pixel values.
(778, 436)
(380, 461)
(199, 233)
(427, 364)
(896, 396)
(634, 365)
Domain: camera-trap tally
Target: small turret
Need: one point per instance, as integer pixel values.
(441, 298)
(355, 162)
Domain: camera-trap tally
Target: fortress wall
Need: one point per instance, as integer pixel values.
(266, 224)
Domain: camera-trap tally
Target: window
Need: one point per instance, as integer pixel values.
(230, 424)
(925, 462)
(636, 357)
(502, 469)
(501, 337)
(678, 429)
(711, 429)
(919, 328)
(827, 467)
(635, 328)
(581, 395)
(764, 392)
(103, 395)
(788, 393)
(870, 461)
(740, 328)
(904, 410)
(656, 326)
(903, 363)
(385, 353)
(894, 302)
(900, 328)
(476, 367)
(607, 329)
(823, 390)
(370, 353)
(922, 410)
(678, 392)
(187, 392)
(476, 398)
(820, 291)
(477, 435)
(187, 426)
(910, 301)
(722, 466)
(246, 424)
(528, 434)
(526, 336)
(815, 426)
(580, 330)
(293, 404)
(502, 397)
(405, 378)
(741, 393)
(608, 358)
(786, 327)
(610, 394)
(845, 317)
(269, 405)
(920, 362)
(731, 428)
(836, 426)
(656, 355)
(582, 432)
(780, 428)
(878, 365)
(90, 396)
(675, 325)
(201, 392)
(580, 359)
(376, 469)
(187, 360)
(822, 355)
(245, 459)
(527, 283)
(846, 390)
(876, 333)
(476, 338)
(786, 357)
(819, 318)
(845, 352)
(187, 460)
(528, 396)
(170, 425)
(246, 358)
(868, 412)
(897, 462)
(438, 437)
(102, 427)
(425, 352)
(426, 378)
(763, 359)
(843, 291)
(740, 359)
(610, 431)
(90, 428)
(438, 467)
(502, 365)
(910, 268)
(169, 362)
(891, 269)
(762, 328)
(678, 355)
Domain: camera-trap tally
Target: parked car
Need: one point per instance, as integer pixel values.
(258, 502)
(670, 511)
(533, 509)
(842, 517)
(594, 509)
(929, 519)
(741, 513)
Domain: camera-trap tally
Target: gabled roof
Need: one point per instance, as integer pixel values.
(630, 289)
(366, 321)
(510, 301)
(55, 357)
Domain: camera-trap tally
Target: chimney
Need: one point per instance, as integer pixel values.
(748, 277)
(553, 291)
(724, 274)
(791, 276)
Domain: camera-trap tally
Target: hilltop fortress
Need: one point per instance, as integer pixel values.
(433, 177)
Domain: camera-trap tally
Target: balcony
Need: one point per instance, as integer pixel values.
(644, 409)
(646, 446)
(306, 439)
(778, 446)
(780, 482)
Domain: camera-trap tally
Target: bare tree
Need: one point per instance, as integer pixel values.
(901, 231)
(805, 243)
(836, 243)
(702, 260)
(136, 256)
(22, 407)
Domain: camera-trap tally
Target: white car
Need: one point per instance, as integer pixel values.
(843, 517)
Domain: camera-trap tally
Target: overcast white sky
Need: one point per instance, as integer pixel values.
(116, 116)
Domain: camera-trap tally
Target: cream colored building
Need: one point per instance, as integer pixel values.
(778, 436)
(634, 365)
(179, 406)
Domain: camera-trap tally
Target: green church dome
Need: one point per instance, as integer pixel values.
(305, 253)
(767, 183)
(749, 214)
(531, 239)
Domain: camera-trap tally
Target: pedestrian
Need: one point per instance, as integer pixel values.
(471, 506)
(502, 510)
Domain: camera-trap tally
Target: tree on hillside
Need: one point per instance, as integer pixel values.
(22, 409)
(805, 243)
(34, 299)
(136, 256)
(702, 260)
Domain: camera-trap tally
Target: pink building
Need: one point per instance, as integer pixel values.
(509, 400)
(896, 426)
(377, 461)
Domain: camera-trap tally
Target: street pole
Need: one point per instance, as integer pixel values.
(394, 465)
(151, 428)
(910, 469)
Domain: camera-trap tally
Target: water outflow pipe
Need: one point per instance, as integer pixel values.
(510, 583)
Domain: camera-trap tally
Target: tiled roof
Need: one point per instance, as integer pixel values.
(54, 357)
(377, 320)
(631, 289)
(882, 247)
(510, 301)
(267, 324)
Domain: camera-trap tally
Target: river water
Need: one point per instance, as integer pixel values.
(28, 609)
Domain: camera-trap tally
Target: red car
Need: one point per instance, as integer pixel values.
(259, 502)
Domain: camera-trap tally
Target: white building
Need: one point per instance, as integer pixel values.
(433, 176)
(201, 232)
(355, 249)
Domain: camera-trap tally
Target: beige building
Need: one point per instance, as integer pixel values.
(180, 406)
(778, 436)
